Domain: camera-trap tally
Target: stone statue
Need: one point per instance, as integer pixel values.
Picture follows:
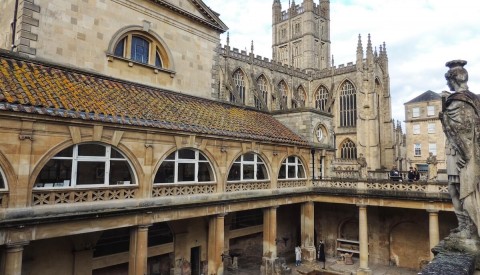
(432, 166)
(461, 124)
(362, 162)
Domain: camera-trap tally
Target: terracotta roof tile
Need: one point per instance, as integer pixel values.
(46, 89)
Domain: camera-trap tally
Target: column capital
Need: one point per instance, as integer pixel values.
(221, 215)
(433, 211)
(361, 205)
(17, 244)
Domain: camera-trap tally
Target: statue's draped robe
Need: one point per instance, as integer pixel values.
(461, 123)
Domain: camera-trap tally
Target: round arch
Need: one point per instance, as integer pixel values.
(407, 245)
(302, 160)
(262, 156)
(117, 36)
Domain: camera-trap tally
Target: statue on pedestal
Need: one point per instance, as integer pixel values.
(432, 166)
(461, 124)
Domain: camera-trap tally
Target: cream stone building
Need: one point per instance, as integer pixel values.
(424, 131)
(132, 142)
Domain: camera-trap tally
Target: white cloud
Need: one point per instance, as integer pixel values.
(421, 36)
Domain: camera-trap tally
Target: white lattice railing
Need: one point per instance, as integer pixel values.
(168, 190)
(63, 196)
(397, 186)
(247, 186)
(291, 183)
(336, 184)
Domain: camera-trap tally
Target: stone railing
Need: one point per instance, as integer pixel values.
(169, 190)
(291, 183)
(247, 186)
(64, 196)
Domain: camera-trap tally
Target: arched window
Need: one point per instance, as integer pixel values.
(348, 105)
(248, 167)
(239, 80)
(292, 168)
(2, 180)
(263, 87)
(141, 48)
(321, 98)
(282, 89)
(88, 164)
(185, 166)
(300, 98)
(348, 150)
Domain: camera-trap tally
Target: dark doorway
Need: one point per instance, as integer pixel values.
(195, 260)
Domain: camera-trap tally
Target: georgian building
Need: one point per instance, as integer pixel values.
(132, 143)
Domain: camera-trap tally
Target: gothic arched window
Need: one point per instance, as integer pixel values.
(185, 166)
(348, 105)
(263, 87)
(249, 167)
(282, 89)
(321, 98)
(300, 98)
(348, 150)
(239, 81)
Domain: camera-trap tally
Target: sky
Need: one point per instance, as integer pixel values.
(420, 36)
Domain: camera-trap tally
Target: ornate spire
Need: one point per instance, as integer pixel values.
(251, 47)
(359, 45)
(228, 38)
(384, 48)
(369, 44)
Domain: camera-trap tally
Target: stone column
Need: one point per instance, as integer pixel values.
(308, 231)
(433, 229)
(13, 258)
(363, 236)
(270, 232)
(216, 243)
(82, 262)
(138, 250)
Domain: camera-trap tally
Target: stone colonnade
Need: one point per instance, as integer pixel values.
(216, 242)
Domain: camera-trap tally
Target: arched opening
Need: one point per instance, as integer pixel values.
(321, 98)
(348, 149)
(348, 105)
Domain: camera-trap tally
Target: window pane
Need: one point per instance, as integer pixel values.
(158, 61)
(90, 172)
(2, 183)
(201, 157)
(261, 172)
(66, 152)
(291, 172)
(248, 157)
(55, 171)
(119, 49)
(186, 154)
(234, 173)
(291, 159)
(281, 173)
(95, 150)
(171, 156)
(301, 172)
(166, 173)
(140, 49)
(120, 173)
(115, 154)
(204, 172)
(248, 172)
(186, 172)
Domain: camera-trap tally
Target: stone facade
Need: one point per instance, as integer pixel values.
(424, 130)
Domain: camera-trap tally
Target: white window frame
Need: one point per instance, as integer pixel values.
(431, 128)
(416, 112)
(5, 185)
(416, 129)
(257, 160)
(297, 163)
(430, 110)
(106, 159)
(417, 149)
(432, 148)
(177, 160)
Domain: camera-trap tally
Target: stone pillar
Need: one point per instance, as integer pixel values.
(363, 236)
(13, 258)
(433, 230)
(216, 242)
(308, 231)
(82, 262)
(270, 232)
(138, 250)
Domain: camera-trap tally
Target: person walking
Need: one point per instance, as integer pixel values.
(298, 255)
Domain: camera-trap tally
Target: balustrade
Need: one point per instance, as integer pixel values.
(64, 196)
(169, 190)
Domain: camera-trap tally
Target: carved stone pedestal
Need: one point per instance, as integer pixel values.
(309, 254)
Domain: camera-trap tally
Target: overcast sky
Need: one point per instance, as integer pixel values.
(420, 35)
